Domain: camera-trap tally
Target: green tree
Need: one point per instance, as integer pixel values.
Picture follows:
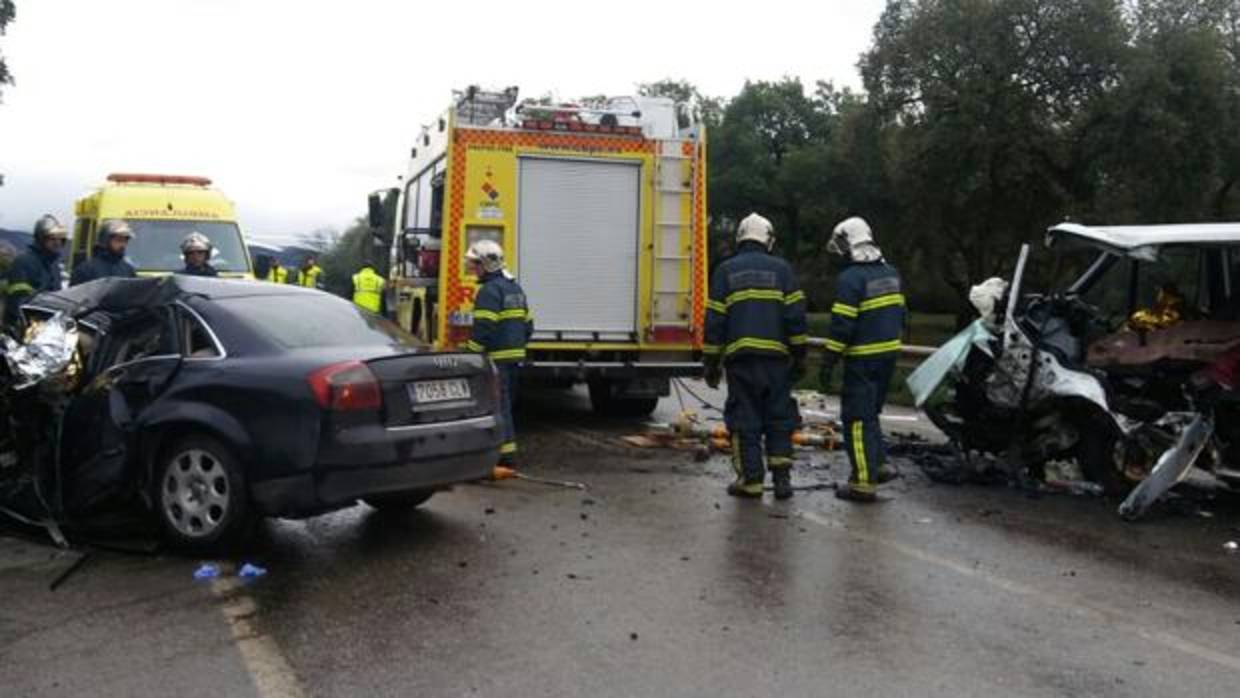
(1173, 146)
(342, 260)
(987, 108)
(767, 155)
(8, 13)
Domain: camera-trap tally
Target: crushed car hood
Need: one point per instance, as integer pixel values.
(1141, 241)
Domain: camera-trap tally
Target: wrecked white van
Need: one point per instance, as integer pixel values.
(1102, 372)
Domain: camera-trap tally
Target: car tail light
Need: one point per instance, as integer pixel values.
(346, 386)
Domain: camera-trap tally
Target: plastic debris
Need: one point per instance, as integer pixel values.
(249, 571)
(1232, 547)
(207, 571)
(1079, 488)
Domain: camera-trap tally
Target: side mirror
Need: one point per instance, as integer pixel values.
(375, 210)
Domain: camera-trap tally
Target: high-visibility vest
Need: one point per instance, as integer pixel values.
(310, 277)
(278, 275)
(368, 289)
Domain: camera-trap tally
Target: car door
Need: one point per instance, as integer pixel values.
(141, 358)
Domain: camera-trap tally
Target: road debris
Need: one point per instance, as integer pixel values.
(690, 433)
(206, 571)
(1231, 547)
(74, 566)
(249, 571)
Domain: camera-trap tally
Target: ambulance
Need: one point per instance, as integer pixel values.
(162, 209)
(601, 211)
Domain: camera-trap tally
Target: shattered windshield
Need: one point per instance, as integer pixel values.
(156, 245)
(302, 322)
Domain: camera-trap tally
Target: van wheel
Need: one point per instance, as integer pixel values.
(200, 495)
(399, 500)
(604, 401)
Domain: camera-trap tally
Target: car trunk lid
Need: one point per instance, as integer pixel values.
(429, 388)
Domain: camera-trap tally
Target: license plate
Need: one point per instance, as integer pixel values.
(449, 390)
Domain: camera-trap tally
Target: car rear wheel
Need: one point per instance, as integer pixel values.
(399, 500)
(201, 499)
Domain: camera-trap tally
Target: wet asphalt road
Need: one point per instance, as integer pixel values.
(653, 583)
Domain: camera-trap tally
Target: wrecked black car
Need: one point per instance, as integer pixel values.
(212, 402)
(1101, 374)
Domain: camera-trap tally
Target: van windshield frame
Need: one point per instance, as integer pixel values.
(156, 245)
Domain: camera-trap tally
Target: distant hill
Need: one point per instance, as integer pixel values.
(12, 242)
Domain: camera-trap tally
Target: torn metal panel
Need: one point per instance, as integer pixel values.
(1009, 386)
(1172, 467)
(1200, 341)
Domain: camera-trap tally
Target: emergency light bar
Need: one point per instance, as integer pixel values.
(579, 127)
(130, 178)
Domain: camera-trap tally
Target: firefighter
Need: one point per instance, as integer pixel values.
(755, 328)
(502, 326)
(109, 256)
(196, 249)
(277, 274)
(310, 272)
(867, 320)
(368, 288)
(37, 269)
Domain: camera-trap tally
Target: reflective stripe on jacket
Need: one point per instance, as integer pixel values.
(755, 306)
(867, 319)
(502, 320)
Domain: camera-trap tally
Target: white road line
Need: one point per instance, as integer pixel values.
(269, 669)
(1110, 616)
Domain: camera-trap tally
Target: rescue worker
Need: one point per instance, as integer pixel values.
(37, 269)
(109, 256)
(755, 328)
(502, 326)
(196, 249)
(867, 320)
(368, 288)
(277, 274)
(310, 272)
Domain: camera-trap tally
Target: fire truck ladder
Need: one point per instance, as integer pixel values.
(673, 242)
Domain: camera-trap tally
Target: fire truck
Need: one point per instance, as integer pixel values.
(601, 211)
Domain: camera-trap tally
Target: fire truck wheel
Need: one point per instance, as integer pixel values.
(605, 402)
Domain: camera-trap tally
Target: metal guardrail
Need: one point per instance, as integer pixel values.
(913, 350)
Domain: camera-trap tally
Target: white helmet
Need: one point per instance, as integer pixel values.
(755, 228)
(114, 228)
(852, 239)
(196, 242)
(488, 254)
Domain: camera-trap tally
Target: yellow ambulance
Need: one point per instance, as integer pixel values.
(162, 210)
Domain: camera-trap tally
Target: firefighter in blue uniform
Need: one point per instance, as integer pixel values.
(502, 326)
(867, 321)
(755, 328)
(37, 269)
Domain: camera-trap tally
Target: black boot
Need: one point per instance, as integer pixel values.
(782, 479)
(856, 493)
(746, 489)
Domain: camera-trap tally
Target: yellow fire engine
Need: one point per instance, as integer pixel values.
(601, 211)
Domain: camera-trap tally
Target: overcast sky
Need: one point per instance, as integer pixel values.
(297, 109)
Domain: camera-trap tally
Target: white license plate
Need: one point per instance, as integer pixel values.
(450, 390)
